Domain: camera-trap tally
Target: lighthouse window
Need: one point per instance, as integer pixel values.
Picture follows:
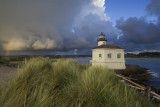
(109, 55)
(100, 56)
(118, 55)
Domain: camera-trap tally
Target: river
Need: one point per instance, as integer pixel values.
(152, 65)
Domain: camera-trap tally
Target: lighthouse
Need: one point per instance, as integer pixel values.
(102, 40)
(108, 55)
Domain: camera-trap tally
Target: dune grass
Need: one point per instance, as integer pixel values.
(44, 82)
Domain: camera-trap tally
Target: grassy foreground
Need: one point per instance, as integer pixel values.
(44, 82)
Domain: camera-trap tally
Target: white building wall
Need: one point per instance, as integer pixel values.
(113, 62)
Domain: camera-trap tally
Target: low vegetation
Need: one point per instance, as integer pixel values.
(4, 60)
(8, 62)
(45, 82)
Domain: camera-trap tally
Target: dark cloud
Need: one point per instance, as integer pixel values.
(138, 33)
(91, 27)
(153, 7)
(136, 30)
(52, 24)
(29, 24)
(66, 25)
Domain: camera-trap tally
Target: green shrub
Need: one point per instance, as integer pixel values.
(43, 82)
(4, 60)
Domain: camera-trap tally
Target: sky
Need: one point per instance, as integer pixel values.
(72, 26)
(125, 8)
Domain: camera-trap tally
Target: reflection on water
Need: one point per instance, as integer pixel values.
(152, 65)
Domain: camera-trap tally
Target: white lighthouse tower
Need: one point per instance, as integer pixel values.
(102, 40)
(107, 55)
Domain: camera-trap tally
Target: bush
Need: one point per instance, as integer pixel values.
(44, 82)
(4, 60)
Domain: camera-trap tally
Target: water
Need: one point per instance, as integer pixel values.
(152, 65)
(154, 69)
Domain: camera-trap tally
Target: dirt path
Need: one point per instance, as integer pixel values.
(6, 73)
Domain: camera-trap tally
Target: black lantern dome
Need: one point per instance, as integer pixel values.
(102, 37)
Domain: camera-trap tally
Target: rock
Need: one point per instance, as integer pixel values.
(135, 72)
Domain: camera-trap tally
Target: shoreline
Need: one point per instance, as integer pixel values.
(144, 58)
(125, 58)
(76, 56)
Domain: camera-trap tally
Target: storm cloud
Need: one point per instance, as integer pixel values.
(68, 25)
(139, 33)
(52, 24)
(153, 7)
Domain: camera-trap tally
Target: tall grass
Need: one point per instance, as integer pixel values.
(43, 82)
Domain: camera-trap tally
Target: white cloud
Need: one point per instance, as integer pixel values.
(16, 45)
(96, 7)
(48, 44)
(99, 3)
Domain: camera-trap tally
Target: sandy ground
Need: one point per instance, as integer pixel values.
(6, 73)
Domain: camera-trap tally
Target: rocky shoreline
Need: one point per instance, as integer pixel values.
(138, 75)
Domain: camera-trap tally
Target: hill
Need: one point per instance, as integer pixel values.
(45, 82)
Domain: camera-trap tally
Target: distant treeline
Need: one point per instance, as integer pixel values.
(143, 55)
(127, 55)
(23, 57)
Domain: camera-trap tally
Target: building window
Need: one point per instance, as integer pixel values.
(100, 56)
(118, 55)
(109, 55)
